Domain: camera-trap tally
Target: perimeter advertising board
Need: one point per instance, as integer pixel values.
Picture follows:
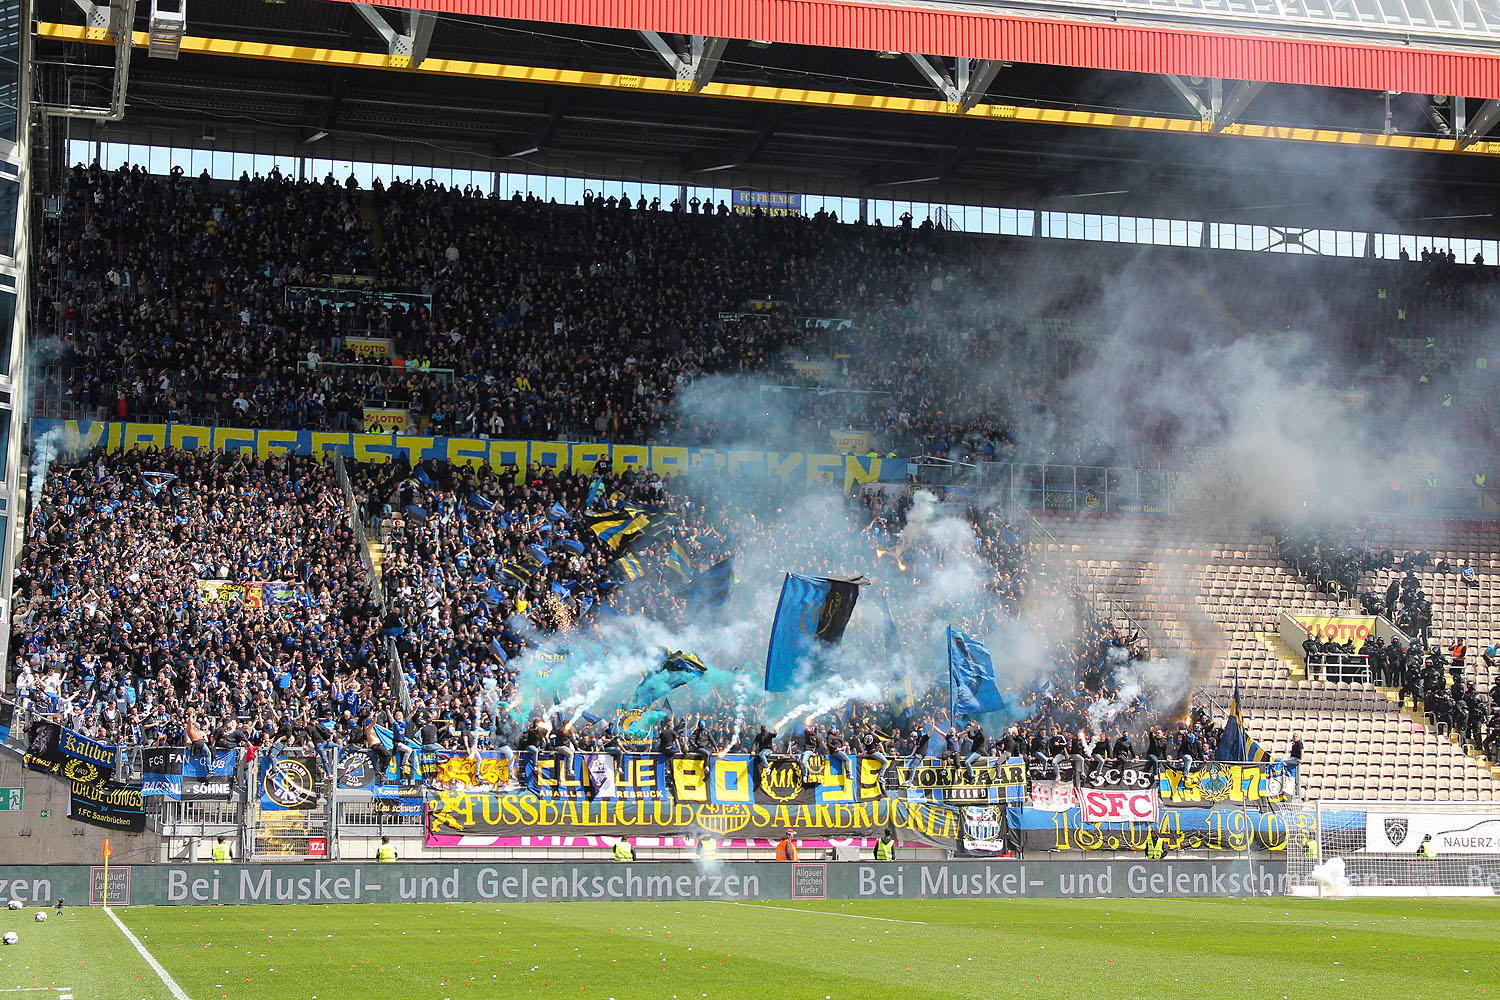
(477, 882)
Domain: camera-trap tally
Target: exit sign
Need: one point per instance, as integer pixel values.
(10, 799)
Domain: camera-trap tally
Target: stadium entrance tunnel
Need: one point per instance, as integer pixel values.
(474, 882)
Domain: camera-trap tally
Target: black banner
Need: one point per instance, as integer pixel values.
(106, 804)
(984, 833)
(1118, 775)
(161, 772)
(43, 748)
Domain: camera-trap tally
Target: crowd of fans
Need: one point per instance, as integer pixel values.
(192, 301)
(124, 631)
(185, 300)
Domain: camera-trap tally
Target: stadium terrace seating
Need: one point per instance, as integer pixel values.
(1359, 743)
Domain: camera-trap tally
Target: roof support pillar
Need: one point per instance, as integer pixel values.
(696, 62)
(411, 41)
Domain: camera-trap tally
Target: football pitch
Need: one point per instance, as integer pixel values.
(1058, 949)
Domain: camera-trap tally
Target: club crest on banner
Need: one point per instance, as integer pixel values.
(1396, 829)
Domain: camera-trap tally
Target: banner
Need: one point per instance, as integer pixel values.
(106, 804)
(43, 748)
(490, 770)
(728, 779)
(510, 458)
(385, 420)
(287, 782)
(1338, 628)
(1452, 833)
(161, 772)
(1126, 775)
(1054, 796)
(983, 832)
(1212, 782)
(209, 778)
(368, 349)
(1219, 829)
(810, 608)
(816, 371)
(1101, 806)
(486, 814)
(83, 748)
(769, 202)
(951, 783)
(253, 593)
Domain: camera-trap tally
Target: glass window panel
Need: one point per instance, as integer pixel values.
(10, 69)
(10, 196)
(78, 152)
(8, 324)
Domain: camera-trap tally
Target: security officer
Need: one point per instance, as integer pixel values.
(1156, 848)
(708, 848)
(885, 847)
(1425, 849)
(624, 852)
(385, 852)
(1310, 849)
(786, 847)
(221, 853)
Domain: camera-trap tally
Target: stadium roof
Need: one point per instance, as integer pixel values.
(547, 97)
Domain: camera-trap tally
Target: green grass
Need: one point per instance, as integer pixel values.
(1110, 949)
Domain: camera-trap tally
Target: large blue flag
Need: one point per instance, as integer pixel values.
(811, 608)
(971, 676)
(676, 670)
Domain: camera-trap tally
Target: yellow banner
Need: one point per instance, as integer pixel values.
(510, 458)
(815, 370)
(371, 348)
(384, 421)
(471, 773)
(1339, 629)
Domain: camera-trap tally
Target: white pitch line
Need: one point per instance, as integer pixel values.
(830, 913)
(35, 989)
(166, 977)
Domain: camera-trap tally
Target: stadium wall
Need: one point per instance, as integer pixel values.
(333, 882)
(41, 832)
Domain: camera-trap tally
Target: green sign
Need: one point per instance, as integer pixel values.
(46, 814)
(10, 800)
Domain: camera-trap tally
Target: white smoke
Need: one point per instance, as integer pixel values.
(44, 451)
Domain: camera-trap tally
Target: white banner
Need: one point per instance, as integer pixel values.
(1452, 833)
(1053, 796)
(1100, 806)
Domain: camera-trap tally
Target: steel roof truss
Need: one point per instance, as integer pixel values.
(412, 41)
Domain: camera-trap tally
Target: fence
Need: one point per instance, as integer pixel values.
(1394, 848)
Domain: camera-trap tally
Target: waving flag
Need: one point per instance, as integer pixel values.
(712, 586)
(557, 512)
(678, 561)
(971, 676)
(811, 609)
(629, 567)
(614, 528)
(1234, 743)
(571, 544)
(676, 670)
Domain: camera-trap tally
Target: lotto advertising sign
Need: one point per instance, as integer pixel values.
(1337, 628)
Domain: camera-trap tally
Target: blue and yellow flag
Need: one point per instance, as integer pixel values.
(629, 567)
(678, 561)
(614, 527)
(1235, 744)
